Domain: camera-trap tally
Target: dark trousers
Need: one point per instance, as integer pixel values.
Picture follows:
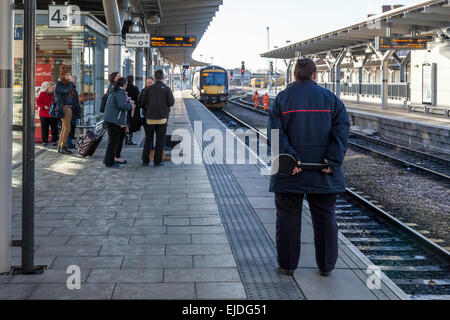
(114, 132)
(150, 130)
(47, 123)
(72, 129)
(120, 144)
(288, 229)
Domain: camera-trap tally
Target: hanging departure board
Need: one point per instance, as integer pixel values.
(400, 43)
(172, 41)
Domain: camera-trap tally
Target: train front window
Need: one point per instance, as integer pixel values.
(215, 79)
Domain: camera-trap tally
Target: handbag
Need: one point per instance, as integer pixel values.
(56, 111)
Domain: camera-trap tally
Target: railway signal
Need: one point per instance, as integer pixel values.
(243, 68)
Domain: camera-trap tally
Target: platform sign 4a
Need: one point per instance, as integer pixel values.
(59, 16)
(137, 40)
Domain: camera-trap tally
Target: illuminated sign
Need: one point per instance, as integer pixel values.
(172, 41)
(400, 43)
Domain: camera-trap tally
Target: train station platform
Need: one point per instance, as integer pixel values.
(187, 231)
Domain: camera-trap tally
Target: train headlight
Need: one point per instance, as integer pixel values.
(203, 91)
(224, 91)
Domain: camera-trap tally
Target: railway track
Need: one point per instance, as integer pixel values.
(413, 159)
(420, 267)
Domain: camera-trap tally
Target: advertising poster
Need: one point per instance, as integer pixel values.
(43, 74)
(427, 84)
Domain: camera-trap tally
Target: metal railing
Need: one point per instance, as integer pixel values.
(395, 90)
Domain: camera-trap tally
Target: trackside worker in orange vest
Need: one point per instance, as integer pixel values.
(266, 100)
(255, 99)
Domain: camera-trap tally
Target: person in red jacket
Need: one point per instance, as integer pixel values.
(44, 102)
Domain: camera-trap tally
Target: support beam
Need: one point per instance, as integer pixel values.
(28, 154)
(6, 105)
(139, 65)
(337, 72)
(403, 67)
(112, 16)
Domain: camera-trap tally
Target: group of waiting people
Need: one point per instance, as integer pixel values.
(64, 93)
(126, 107)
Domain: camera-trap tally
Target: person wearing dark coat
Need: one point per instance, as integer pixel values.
(115, 117)
(76, 114)
(313, 126)
(133, 120)
(64, 96)
(158, 99)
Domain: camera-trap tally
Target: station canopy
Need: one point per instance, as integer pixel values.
(424, 18)
(174, 18)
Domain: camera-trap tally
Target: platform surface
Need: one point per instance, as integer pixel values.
(397, 114)
(190, 231)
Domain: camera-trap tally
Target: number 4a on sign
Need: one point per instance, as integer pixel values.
(59, 16)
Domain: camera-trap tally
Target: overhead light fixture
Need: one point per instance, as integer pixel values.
(368, 50)
(153, 19)
(136, 26)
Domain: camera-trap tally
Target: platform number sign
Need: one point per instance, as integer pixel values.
(59, 16)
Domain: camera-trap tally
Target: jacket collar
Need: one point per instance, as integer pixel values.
(305, 81)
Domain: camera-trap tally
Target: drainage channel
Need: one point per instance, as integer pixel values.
(254, 251)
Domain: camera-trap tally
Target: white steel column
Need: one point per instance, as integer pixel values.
(139, 68)
(115, 35)
(385, 78)
(337, 72)
(6, 105)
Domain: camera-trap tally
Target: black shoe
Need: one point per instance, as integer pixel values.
(122, 162)
(145, 164)
(54, 144)
(325, 274)
(64, 150)
(45, 144)
(285, 272)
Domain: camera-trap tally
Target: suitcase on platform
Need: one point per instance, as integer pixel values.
(89, 143)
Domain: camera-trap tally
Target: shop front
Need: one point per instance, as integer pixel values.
(81, 50)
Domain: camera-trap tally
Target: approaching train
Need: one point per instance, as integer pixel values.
(210, 86)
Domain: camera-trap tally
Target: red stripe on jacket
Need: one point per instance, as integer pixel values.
(295, 111)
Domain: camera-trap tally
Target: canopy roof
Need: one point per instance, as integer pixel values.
(177, 17)
(424, 18)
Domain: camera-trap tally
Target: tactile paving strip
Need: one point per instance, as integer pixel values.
(254, 251)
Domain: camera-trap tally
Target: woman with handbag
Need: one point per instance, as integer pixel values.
(64, 96)
(115, 118)
(44, 102)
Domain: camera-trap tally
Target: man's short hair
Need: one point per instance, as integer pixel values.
(159, 75)
(304, 69)
(130, 79)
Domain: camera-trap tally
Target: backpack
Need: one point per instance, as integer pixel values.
(104, 100)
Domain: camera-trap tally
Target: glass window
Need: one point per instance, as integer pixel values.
(214, 79)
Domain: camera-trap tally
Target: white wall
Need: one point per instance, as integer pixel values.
(439, 54)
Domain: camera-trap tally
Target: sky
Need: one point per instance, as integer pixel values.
(238, 31)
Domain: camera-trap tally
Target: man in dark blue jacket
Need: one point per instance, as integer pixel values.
(313, 126)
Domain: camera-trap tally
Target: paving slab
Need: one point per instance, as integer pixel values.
(155, 291)
(343, 284)
(125, 276)
(89, 291)
(16, 291)
(201, 275)
(159, 262)
(221, 291)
